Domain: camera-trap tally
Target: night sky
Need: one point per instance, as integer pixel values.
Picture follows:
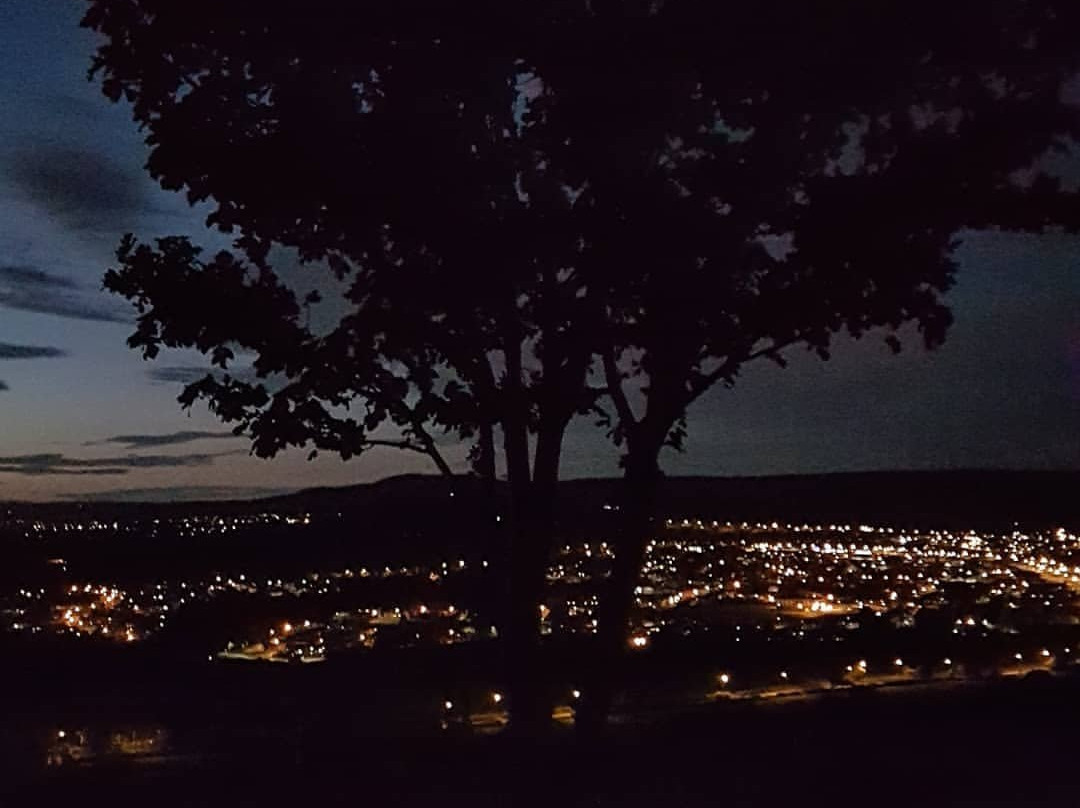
(82, 415)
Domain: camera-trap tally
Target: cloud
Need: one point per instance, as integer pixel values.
(8, 351)
(169, 439)
(30, 276)
(48, 471)
(186, 374)
(183, 493)
(83, 189)
(51, 464)
(32, 289)
(171, 374)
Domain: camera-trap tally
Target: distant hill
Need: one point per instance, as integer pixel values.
(946, 498)
(977, 498)
(415, 519)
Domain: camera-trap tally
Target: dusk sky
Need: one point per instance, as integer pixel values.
(83, 415)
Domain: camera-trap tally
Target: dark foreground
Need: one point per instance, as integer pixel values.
(999, 744)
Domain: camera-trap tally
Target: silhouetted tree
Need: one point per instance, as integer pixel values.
(665, 190)
(390, 146)
(805, 173)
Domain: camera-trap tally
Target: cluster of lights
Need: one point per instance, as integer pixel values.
(311, 641)
(189, 525)
(790, 580)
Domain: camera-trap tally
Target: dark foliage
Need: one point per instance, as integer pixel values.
(517, 195)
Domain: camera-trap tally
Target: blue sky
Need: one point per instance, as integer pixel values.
(1003, 392)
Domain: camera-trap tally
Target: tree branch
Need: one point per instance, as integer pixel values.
(429, 447)
(615, 389)
(730, 364)
(397, 444)
(515, 416)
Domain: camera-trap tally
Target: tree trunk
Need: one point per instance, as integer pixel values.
(526, 684)
(485, 461)
(530, 699)
(636, 511)
(496, 537)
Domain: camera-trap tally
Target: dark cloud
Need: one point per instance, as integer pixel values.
(48, 471)
(172, 374)
(48, 464)
(8, 351)
(186, 374)
(169, 439)
(31, 289)
(29, 276)
(183, 493)
(3, 386)
(84, 189)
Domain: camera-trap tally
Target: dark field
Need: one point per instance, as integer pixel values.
(993, 744)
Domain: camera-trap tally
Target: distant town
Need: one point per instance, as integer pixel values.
(997, 603)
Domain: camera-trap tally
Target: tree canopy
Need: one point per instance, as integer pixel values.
(544, 209)
(678, 187)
